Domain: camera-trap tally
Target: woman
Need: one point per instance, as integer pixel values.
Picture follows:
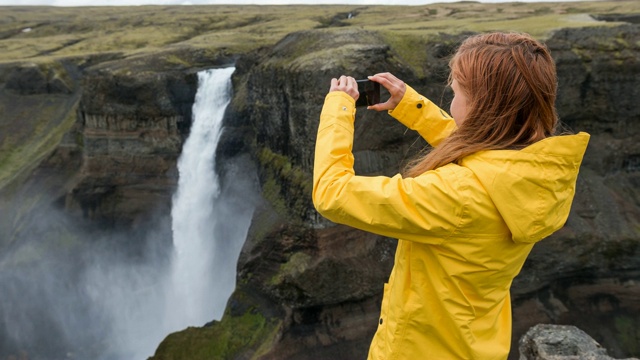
(466, 214)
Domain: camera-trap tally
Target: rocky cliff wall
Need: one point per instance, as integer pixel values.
(323, 282)
(133, 127)
(135, 114)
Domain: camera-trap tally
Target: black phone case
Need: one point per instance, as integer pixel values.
(369, 92)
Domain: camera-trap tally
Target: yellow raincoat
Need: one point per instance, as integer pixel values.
(464, 229)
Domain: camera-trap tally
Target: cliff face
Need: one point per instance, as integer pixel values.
(133, 126)
(309, 289)
(323, 281)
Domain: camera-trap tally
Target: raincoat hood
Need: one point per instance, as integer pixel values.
(532, 188)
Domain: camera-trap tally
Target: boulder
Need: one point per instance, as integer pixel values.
(560, 342)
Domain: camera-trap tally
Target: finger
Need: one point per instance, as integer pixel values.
(352, 88)
(354, 84)
(386, 78)
(380, 75)
(389, 82)
(334, 85)
(381, 106)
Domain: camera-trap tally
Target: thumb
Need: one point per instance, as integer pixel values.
(381, 106)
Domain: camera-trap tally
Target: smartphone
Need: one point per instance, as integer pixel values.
(369, 92)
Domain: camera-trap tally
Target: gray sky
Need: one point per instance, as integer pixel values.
(237, 2)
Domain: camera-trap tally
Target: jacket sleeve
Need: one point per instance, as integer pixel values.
(426, 209)
(420, 114)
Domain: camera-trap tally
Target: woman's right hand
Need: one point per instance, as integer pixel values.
(396, 88)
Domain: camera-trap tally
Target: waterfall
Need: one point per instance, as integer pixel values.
(209, 222)
(209, 226)
(194, 289)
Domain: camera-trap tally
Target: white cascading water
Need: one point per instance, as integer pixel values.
(209, 227)
(193, 284)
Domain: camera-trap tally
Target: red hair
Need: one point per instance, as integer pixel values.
(510, 83)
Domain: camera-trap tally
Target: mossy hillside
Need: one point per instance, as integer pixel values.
(48, 31)
(247, 333)
(45, 32)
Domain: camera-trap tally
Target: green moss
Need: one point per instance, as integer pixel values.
(221, 340)
(272, 191)
(286, 186)
(176, 60)
(297, 264)
(407, 47)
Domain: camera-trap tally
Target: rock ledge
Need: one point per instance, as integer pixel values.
(560, 342)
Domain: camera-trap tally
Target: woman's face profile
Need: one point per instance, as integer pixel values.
(458, 104)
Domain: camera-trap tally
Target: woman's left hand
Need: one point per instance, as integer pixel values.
(346, 84)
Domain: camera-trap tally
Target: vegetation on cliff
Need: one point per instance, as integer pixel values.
(231, 337)
(42, 33)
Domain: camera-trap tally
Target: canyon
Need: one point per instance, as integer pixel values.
(94, 139)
